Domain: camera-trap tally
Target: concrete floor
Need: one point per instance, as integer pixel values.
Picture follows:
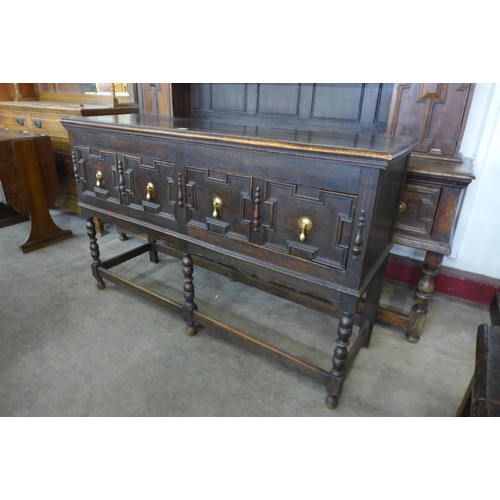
(68, 349)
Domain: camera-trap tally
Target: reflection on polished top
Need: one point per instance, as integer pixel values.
(65, 107)
(364, 145)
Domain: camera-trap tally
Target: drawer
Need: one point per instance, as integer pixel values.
(418, 209)
(304, 222)
(14, 121)
(308, 223)
(219, 202)
(47, 125)
(141, 184)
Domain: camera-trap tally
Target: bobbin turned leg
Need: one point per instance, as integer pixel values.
(426, 286)
(338, 372)
(94, 251)
(189, 305)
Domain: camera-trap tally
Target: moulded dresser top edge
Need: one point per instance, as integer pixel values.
(349, 144)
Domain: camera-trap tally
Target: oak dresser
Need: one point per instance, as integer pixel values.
(307, 215)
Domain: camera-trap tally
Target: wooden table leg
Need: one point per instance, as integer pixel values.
(426, 286)
(339, 361)
(190, 305)
(44, 230)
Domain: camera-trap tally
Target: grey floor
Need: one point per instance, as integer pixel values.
(68, 349)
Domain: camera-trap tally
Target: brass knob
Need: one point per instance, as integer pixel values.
(98, 179)
(217, 207)
(402, 207)
(150, 191)
(305, 224)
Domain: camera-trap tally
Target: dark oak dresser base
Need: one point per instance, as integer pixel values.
(305, 215)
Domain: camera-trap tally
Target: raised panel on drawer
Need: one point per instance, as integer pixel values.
(233, 218)
(331, 215)
(14, 121)
(96, 170)
(149, 185)
(421, 205)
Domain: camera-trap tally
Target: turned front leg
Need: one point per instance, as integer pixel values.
(189, 304)
(338, 372)
(426, 286)
(94, 252)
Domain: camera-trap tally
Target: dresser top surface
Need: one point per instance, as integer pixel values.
(364, 145)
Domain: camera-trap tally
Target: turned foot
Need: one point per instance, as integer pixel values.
(331, 402)
(191, 330)
(100, 284)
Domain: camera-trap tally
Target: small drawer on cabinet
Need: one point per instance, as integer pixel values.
(50, 126)
(14, 121)
(417, 209)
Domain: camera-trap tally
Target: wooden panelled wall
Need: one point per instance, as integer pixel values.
(359, 106)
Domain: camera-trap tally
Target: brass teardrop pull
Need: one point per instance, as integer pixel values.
(150, 191)
(402, 207)
(217, 207)
(98, 179)
(305, 224)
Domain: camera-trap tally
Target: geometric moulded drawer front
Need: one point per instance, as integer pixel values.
(149, 185)
(281, 208)
(421, 204)
(231, 215)
(329, 216)
(139, 182)
(95, 171)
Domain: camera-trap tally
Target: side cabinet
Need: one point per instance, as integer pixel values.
(305, 216)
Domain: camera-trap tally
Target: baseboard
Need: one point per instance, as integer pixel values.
(451, 282)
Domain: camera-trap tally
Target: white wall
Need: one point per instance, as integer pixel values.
(476, 246)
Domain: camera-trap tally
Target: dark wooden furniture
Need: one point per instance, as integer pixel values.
(437, 175)
(39, 110)
(29, 181)
(482, 398)
(306, 215)
(428, 213)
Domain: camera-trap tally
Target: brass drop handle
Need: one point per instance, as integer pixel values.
(98, 179)
(402, 207)
(305, 224)
(217, 207)
(150, 191)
